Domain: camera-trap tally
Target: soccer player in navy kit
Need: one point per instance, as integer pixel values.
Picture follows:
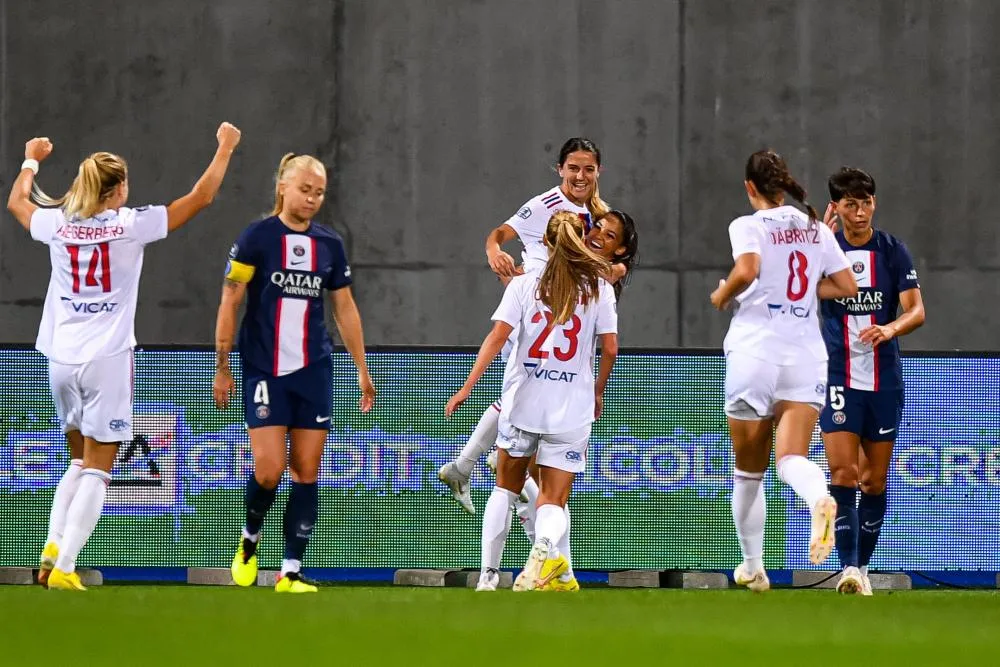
(284, 263)
(865, 378)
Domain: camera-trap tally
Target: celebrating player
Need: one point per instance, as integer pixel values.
(775, 356)
(865, 382)
(550, 398)
(285, 262)
(87, 331)
(579, 167)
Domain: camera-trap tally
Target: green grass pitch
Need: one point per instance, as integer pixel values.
(384, 625)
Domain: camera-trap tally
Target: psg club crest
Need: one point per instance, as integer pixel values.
(839, 417)
(298, 251)
(263, 412)
(858, 267)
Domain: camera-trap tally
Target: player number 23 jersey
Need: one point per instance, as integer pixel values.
(548, 384)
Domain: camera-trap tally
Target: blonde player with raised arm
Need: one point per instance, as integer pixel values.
(550, 397)
(775, 354)
(87, 331)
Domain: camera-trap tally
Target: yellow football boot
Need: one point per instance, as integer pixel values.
(551, 570)
(46, 562)
(561, 586)
(244, 567)
(293, 582)
(62, 581)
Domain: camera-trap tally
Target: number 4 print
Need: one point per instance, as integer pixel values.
(100, 255)
(571, 331)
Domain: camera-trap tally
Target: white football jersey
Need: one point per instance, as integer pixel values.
(532, 219)
(548, 383)
(775, 317)
(90, 305)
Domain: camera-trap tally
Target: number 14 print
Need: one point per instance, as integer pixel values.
(100, 259)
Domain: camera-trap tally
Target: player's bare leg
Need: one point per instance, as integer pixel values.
(752, 450)
(794, 426)
(84, 512)
(65, 491)
(874, 472)
(270, 455)
(842, 455)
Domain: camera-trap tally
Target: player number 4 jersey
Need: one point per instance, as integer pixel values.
(775, 318)
(96, 262)
(548, 384)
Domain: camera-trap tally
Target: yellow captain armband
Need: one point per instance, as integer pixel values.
(238, 271)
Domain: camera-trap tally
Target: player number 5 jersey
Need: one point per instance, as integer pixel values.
(548, 384)
(90, 305)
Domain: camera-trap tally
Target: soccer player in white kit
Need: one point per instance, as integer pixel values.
(87, 330)
(775, 355)
(550, 397)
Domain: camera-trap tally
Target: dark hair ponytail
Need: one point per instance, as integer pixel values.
(769, 174)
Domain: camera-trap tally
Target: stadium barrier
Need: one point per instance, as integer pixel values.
(655, 495)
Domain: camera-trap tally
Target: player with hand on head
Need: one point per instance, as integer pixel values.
(864, 407)
(579, 168)
(283, 264)
(550, 397)
(775, 355)
(96, 246)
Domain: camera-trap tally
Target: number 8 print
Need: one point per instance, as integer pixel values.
(797, 265)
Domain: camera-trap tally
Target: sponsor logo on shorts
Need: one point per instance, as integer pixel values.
(839, 417)
(263, 412)
(885, 431)
(858, 267)
(119, 425)
(573, 456)
(524, 213)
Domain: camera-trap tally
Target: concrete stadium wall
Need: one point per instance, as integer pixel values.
(439, 119)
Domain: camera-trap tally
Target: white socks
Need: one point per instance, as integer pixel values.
(82, 516)
(526, 510)
(805, 477)
(61, 500)
(551, 526)
(290, 565)
(483, 437)
(496, 526)
(749, 514)
(563, 546)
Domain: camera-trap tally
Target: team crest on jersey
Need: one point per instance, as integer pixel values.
(298, 251)
(821, 389)
(263, 412)
(524, 213)
(859, 267)
(839, 417)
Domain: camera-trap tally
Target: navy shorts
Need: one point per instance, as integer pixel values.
(872, 415)
(303, 399)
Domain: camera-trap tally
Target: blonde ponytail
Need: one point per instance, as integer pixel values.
(290, 162)
(95, 182)
(573, 271)
(598, 207)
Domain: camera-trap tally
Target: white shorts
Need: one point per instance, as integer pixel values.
(563, 451)
(753, 386)
(95, 398)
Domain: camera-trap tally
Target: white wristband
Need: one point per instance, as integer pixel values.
(30, 163)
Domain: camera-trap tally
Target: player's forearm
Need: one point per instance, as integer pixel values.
(225, 330)
(737, 281)
(609, 353)
(909, 321)
(20, 196)
(488, 351)
(348, 321)
(207, 187)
